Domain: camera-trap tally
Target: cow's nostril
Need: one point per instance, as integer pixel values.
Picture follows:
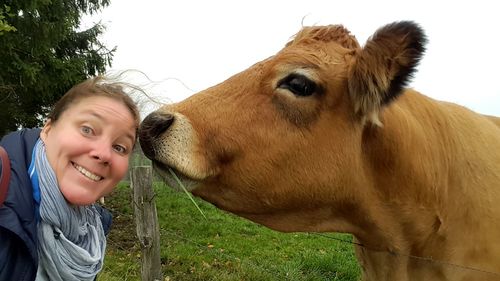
(156, 124)
(151, 128)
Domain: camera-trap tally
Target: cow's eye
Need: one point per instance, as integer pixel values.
(298, 84)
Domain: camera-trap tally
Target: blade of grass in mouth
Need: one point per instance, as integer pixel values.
(185, 190)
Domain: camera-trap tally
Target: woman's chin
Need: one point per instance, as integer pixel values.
(81, 198)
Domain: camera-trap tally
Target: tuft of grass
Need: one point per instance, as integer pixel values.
(185, 191)
(220, 247)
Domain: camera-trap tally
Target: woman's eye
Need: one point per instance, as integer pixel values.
(298, 84)
(120, 149)
(86, 130)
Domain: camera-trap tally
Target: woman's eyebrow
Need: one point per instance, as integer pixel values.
(100, 117)
(131, 137)
(92, 113)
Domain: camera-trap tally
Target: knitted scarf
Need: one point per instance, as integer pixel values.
(71, 239)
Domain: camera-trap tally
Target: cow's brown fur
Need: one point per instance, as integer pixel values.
(415, 180)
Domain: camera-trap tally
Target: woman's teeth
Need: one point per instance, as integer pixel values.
(87, 173)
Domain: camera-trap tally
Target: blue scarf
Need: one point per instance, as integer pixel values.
(71, 239)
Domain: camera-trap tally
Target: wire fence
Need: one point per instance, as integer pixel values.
(131, 271)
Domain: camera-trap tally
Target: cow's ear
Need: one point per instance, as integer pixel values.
(384, 66)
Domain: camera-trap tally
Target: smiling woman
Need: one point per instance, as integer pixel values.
(105, 133)
(57, 174)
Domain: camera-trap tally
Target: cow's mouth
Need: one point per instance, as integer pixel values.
(173, 177)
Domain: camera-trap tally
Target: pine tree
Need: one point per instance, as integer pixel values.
(43, 54)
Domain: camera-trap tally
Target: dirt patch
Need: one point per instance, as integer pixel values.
(122, 235)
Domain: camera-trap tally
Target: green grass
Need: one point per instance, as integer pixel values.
(222, 247)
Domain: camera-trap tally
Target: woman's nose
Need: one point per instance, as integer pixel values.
(102, 152)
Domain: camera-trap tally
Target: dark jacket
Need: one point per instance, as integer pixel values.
(18, 223)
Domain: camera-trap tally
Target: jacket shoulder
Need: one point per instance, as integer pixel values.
(106, 218)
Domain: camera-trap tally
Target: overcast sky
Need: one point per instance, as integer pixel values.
(186, 46)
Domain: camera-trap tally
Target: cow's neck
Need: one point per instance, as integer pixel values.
(402, 164)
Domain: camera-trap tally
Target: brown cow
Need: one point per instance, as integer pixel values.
(323, 137)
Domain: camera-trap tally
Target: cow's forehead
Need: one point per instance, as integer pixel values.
(314, 49)
(315, 58)
(329, 33)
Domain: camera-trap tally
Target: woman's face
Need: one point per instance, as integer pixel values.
(89, 147)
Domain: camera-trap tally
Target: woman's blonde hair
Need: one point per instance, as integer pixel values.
(95, 87)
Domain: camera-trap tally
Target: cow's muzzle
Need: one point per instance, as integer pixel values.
(152, 127)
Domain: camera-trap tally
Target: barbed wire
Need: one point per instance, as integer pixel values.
(425, 259)
(274, 271)
(213, 251)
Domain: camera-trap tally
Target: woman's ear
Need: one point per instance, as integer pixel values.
(45, 130)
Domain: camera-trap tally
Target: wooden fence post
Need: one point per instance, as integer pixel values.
(146, 221)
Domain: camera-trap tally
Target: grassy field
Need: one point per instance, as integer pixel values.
(222, 247)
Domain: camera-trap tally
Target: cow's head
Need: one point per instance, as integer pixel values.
(281, 142)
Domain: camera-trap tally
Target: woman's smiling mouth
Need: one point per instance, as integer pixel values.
(87, 173)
